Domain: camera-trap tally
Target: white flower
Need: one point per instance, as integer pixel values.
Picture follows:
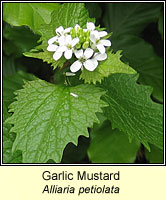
(77, 26)
(83, 60)
(61, 31)
(51, 45)
(97, 42)
(66, 46)
(98, 57)
(89, 39)
(52, 40)
(90, 26)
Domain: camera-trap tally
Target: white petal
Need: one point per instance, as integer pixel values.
(106, 43)
(74, 95)
(90, 26)
(57, 55)
(78, 53)
(68, 54)
(61, 40)
(103, 33)
(95, 62)
(96, 34)
(89, 65)
(100, 56)
(93, 46)
(59, 30)
(92, 38)
(52, 40)
(76, 66)
(77, 26)
(68, 39)
(88, 53)
(75, 41)
(101, 48)
(85, 30)
(67, 30)
(52, 47)
(61, 49)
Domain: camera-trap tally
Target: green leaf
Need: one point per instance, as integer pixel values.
(68, 15)
(130, 18)
(47, 117)
(142, 58)
(76, 154)
(20, 40)
(127, 21)
(46, 56)
(9, 67)
(155, 155)
(111, 65)
(12, 83)
(160, 24)
(29, 14)
(111, 146)
(132, 111)
(8, 139)
(94, 10)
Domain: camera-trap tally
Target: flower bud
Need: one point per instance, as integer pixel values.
(81, 32)
(81, 39)
(73, 33)
(85, 45)
(78, 46)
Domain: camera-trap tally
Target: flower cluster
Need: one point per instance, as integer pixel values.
(88, 45)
